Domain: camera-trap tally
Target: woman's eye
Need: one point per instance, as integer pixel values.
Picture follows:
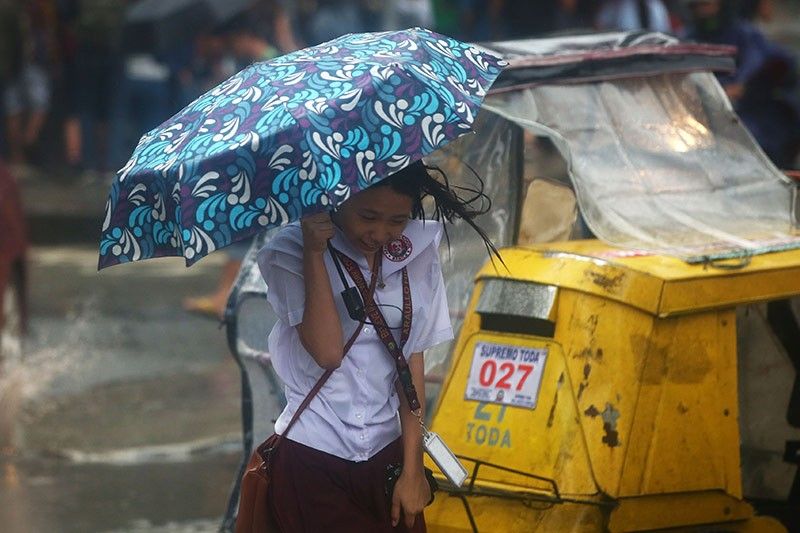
(367, 217)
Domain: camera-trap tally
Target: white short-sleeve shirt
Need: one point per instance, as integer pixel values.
(354, 416)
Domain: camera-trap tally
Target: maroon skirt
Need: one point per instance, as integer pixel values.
(312, 491)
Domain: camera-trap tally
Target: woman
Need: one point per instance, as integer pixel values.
(329, 473)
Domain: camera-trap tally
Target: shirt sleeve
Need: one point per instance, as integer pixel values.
(437, 327)
(281, 266)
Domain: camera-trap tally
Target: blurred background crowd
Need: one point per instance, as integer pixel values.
(81, 80)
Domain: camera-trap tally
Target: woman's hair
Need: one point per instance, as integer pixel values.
(450, 203)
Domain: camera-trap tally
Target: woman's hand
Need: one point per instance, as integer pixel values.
(411, 494)
(317, 230)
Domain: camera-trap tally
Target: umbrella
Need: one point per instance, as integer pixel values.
(289, 137)
(160, 25)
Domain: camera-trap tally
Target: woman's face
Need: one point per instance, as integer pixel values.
(374, 217)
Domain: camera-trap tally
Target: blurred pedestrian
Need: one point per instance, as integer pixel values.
(765, 87)
(142, 101)
(11, 49)
(445, 16)
(530, 19)
(633, 15)
(212, 63)
(301, 23)
(502, 19)
(27, 91)
(96, 27)
(401, 14)
(249, 43)
(572, 15)
(481, 20)
(757, 10)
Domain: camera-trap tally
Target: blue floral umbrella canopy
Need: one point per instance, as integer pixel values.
(291, 136)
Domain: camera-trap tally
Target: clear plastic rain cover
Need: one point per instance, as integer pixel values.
(662, 164)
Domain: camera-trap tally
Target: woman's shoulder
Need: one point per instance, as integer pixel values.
(287, 240)
(425, 233)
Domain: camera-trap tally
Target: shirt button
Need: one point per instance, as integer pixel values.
(367, 329)
(358, 415)
(361, 436)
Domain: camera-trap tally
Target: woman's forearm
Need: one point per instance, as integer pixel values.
(321, 331)
(411, 492)
(409, 423)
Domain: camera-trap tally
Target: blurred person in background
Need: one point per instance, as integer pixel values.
(633, 15)
(301, 23)
(535, 19)
(211, 63)
(764, 89)
(27, 91)
(572, 15)
(677, 16)
(481, 20)
(249, 44)
(142, 101)
(484, 20)
(757, 10)
(11, 53)
(445, 16)
(94, 28)
(402, 14)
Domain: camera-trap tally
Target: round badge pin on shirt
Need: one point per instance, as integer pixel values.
(398, 249)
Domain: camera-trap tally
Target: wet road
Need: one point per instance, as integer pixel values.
(124, 410)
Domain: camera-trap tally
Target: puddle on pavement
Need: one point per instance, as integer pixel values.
(99, 437)
(148, 455)
(49, 495)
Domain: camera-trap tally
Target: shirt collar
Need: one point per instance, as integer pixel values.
(420, 235)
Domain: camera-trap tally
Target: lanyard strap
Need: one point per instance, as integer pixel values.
(384, 333)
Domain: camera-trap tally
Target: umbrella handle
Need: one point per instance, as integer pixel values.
(350, 295)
